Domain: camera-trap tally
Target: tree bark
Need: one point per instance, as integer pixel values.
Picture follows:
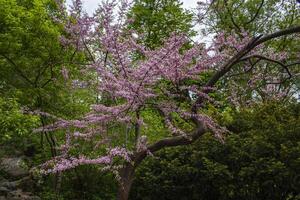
(127, 174)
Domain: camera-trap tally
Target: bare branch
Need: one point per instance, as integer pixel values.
(232, 17)
(50, 79)
(89, 52)
(270, 60)
(246, 71)
(171, 142)
(20, 73)
(256, 14)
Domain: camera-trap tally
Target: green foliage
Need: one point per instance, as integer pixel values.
(31, 58)
(84, 182)
(29, 44)
(259, 160)
(15, 127)
(155, 129)
(155, 20)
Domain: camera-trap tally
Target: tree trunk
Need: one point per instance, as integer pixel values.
(126, 173)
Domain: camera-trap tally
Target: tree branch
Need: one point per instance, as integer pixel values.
(232, 17)
(17, 69)
(256, 14)
(171, 142)
(89, 52)
(50, 79)
(231, 62)
(250, 46)
(272, 60)
(288, 31)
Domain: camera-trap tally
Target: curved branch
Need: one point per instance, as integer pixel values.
(200, 128)
(246, 71)
(231, 62)
(50, 79)
(288, 31)
(243, 52)
(171, 142)
(17, 69)
(231, 17)
(256, 14)
(250, 46)
(177, 141)
(271, 60)
(88, 50)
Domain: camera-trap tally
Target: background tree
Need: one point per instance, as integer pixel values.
(34, 72)
(252, 15)
(32, 58)
(156, 20)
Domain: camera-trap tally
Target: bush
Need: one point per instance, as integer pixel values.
(15, 127)
(259, 160)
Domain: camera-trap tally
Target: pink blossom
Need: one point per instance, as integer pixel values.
(168, 81)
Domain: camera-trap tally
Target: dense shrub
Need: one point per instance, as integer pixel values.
(259, 160)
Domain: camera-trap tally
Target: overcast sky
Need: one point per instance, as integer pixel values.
(91, 5)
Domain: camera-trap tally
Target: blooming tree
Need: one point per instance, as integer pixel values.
(167, 80)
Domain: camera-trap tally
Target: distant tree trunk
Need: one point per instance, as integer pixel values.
(127, 174)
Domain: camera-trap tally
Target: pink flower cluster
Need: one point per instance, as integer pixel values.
(60, 164)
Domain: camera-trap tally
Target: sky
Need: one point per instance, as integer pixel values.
(91, 5)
